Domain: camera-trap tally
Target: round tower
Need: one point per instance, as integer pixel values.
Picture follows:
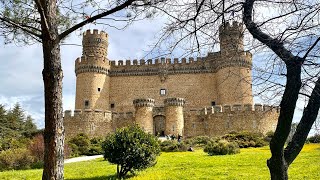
(143, 115)
(92, 71)
(234, 79)
(231, 38)
(174, 116)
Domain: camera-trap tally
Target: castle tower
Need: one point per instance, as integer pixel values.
(143, 115)
(92, 71)
(234, 68)
(174, 115)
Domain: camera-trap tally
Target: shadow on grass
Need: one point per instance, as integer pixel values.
(110, 177)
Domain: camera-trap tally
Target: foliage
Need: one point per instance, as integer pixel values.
(221, 147)
(80, 144)
(131, 149)
(314, 139)
(15, 159)
(83, 145)
(246, 139)
(36, 148)
(173, 146)
(16, 128)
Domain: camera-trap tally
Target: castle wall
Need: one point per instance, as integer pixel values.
(197, 89)
(92, 122)
(259, 120)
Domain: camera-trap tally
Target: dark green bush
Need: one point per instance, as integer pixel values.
(15, 159)
(131, 149)
(79, 144)
(246, 139)
(83, 145)
(314, 139)
(221, 147)
(173, 146)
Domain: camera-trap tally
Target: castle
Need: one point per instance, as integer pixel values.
(209, 95)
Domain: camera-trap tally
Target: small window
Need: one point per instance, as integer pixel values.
(112, 105)
(213, 103)
(99, 89)
(86, 103)
(163, 92)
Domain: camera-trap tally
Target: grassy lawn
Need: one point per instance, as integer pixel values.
(249, 164)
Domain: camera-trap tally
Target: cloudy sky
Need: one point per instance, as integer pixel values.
(21, 66)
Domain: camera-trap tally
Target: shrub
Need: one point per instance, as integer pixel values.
(79, 144)
(246, 139)
(173, 146)
(222, 147)
(131, 149)
(36, 148)
(95, 147)
(15, 159)
(82, 145)
(314, 139)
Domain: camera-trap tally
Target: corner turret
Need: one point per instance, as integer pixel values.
(95, 44)
(92, 71)
(231, 38)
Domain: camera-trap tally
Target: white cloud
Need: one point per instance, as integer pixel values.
(21, 67)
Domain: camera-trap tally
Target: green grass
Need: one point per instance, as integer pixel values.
(249, 164)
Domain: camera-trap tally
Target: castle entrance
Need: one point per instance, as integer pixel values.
(159, 123)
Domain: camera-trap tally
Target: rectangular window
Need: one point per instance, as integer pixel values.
(163, 92)
(86, 103)
(213, 103)
(99, 89)
(112, 105)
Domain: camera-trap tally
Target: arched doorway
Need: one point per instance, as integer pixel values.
(159, 123)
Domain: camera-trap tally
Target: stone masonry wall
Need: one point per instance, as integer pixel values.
(225, 120)
(92, 122)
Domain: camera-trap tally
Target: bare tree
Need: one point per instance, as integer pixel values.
(49, 22)
(288, 31)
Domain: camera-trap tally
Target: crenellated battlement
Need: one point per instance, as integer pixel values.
(228, 28)
(95, 33)
(209, 64)
(69, 115)
(235, 108)
(92, 64)
(148, 102)
(174, 102)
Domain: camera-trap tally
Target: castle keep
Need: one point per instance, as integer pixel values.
(209, 95)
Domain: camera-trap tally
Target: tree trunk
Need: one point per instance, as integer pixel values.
(54, 131)
(52, 78)
(278, 168)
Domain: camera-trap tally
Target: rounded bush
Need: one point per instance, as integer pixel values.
(131, 149)
(246, 139)
(222, 147)
(15, 159)
(173, 146)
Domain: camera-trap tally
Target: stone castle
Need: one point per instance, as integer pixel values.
(209, 95)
